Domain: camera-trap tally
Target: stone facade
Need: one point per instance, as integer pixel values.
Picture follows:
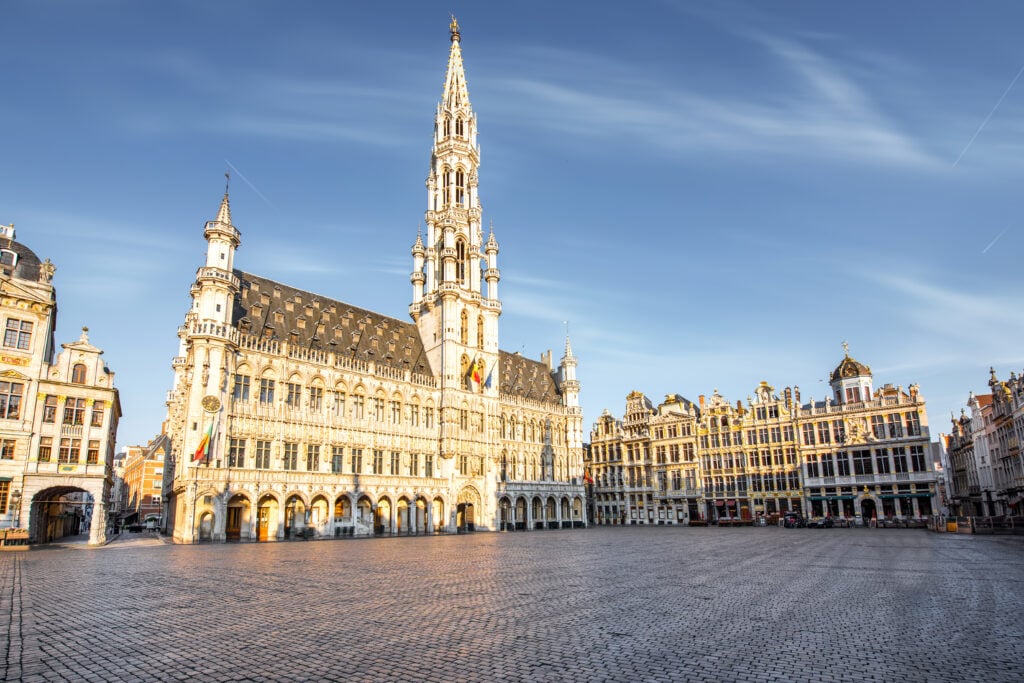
(861, 452)
(296, 414)
(58, 415)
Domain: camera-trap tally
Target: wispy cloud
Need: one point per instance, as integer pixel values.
(816, 109)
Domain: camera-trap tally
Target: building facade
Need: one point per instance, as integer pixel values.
(142, 479)
(296, 414)
(58, 413)
(860, 452)
(985, 453)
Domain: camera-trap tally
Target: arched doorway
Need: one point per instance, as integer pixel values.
(550, 514)
(402, 518)
(868, 509)
(206, 520)
(238, 518)
(364, 516)
(465, 514)
(294, 515)
(342, 516)
(382, 517)
(317, 517)
(437, 515)
(63, 512)
(266, 518)
(566, 514)
(520, 521)
(420, 522)
(577, 513)
(538, 514)
(505, 522)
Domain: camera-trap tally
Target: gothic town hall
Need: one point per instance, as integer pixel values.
(294, 414)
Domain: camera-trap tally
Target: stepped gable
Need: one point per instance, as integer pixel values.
(527, 378)
(271, 310)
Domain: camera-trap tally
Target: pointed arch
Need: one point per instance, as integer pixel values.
(480, 332)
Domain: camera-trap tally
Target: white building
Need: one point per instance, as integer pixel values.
(326, 419)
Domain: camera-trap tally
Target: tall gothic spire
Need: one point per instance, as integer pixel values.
(455, 95)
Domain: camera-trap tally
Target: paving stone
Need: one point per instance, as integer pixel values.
(605, 604)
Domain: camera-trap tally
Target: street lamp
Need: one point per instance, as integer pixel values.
(16, 504)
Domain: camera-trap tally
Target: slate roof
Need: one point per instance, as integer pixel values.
(27, 265)
(527, 378)
(271, 310)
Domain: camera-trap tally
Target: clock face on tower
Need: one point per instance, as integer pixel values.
(211, 404)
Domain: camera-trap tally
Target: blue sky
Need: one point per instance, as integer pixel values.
(712, 195)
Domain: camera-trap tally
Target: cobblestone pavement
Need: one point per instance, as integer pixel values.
(607, 604)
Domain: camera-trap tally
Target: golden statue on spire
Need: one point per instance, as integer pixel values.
(454, 28)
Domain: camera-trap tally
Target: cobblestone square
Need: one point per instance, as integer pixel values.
(603, 604)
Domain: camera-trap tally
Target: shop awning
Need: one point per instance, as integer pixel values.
(833, 497)
(905, 495)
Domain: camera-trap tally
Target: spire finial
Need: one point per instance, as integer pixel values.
(453, 27)
(846, 349)
(227, 182)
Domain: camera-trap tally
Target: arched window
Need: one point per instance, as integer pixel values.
(460, 261)
(447, 126)
(460, 187)
(464, 328)
(459, 130)
(480, 332)
(446, 187)
(78, 373)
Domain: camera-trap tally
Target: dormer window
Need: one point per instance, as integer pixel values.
(7, 260)
(78, 373)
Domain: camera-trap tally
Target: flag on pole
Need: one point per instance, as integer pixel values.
(477, 371)
(490, 375)
(204, 446)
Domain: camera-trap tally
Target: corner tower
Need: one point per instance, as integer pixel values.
(455, 273)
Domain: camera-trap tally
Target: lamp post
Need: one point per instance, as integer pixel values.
(16, 504)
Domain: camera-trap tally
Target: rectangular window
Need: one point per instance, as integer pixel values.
(776, 434)
(396, 412)
(762, 435)
(241, 389)
(878, 426)
(414, 465)
(917, 459)
(428, 465)
(316, 398)
(913, 424)
(760, 413)
(463, 418)
(827, 465)
(266, 391)
(808, 430)
(263, 455)
(10, 400)
(5, 493)
(428, 417)
(18, 334)
(97, 413)
(337, 459)
(839, 431)
(358, 410)
(65, 453)
(862, 462)
(464, 465)
(7, 449)
(236, 452)
(339, 403)
(290, 461)
(293, 397)
(853, 394)
(92, 453)
(812, 466)
(882, 461)
(895, 426)
(45, 448)
(843, 464)
(899, 460)
(74, 410)
(378, 462)
(378, 409)
(414, 415)
(50, 409)
(357, 461)
(312, 457)
(396, 462)
(824, 432)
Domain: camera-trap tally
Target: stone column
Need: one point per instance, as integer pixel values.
(98, 526)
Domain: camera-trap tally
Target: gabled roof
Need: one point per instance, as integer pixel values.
(316, 322)
(527, 378)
